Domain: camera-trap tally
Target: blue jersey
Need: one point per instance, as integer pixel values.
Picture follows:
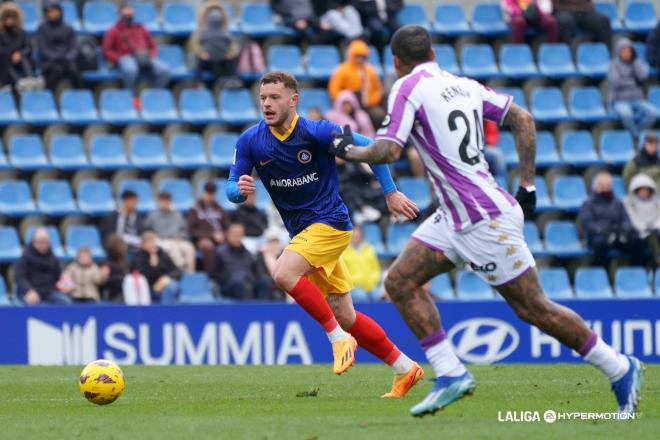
(298, 172)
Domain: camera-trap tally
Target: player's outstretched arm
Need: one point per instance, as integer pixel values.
(379, 151)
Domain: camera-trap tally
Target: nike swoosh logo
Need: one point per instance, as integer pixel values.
(263, 163)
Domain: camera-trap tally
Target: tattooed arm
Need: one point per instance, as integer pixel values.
(524, 131)
(380, 151)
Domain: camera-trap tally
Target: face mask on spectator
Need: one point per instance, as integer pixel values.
(127, 19)
(607, 195)
(215, 19)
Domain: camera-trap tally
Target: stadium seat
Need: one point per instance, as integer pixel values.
(4, 164)
(555, 60)
(632, 282)
(5, 301)
(322, 61)
(441, 287)
(470, 287)
(26, 152)
(67, 152)
(158, 106)
(487, 19)
(373, 236)
(106, 152)
(609, 8)
(178, 18)
(10, 245)
(556, 283)
(146, 15)
(84, 235)
(388, 61)
(116, 107)
(99, 16)
(592, 283)
(16, 198)
(147, 151)
(195, 289)
(546, 150)
(318, 98)
(640, 16)
(187, 151)
(478, 61)
(38, 107)
(237, 107)
(77, 107)
(445, 56)
(221, 195)
(449, 19)
(103, 72)
(173, 56)
(533, 239)
(8, 113)
(616, 147)
(397, 236)
(577, 149)
(618, 187)
(181, 191)
(359, 296)
(30, 16)
(55, 198)
(197, 107)
(286, 57)
(375, 61)
(95, 197)
(516, 61)
(516, 93)
(654, 96)
(561, 239)
(508, 146)
(569, 192)
(71, 17)
(412, 13)
(142, 188)
(231, 15)
(593, 59)
(547, 105)
(262, 199)
(586, 105)
(417, 190)
(221, 149)
(55, 240)
(257, 20)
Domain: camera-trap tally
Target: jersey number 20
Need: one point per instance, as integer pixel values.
(465, 142)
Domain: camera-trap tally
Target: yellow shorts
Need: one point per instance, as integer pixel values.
(322, 245)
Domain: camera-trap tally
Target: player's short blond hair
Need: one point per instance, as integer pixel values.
(278, 76)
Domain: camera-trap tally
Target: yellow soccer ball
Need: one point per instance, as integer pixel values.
(101, 382)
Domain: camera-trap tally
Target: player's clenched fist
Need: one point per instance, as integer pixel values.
(246, 185)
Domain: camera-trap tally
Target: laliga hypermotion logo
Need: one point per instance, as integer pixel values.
(483, 340)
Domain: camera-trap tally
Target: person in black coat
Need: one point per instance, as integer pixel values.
(159, 270)
(653, 47)
(253, 220)
(125, 222)
(15, 42)
(117, 264)
(379, 19)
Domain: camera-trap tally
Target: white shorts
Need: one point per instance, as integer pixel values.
(495, 250)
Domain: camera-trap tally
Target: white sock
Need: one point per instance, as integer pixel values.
(337, 334)
(613, 365)
(444, 361)
(402, 364)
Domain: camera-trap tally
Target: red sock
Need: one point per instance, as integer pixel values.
(310, 298)
(372, 337)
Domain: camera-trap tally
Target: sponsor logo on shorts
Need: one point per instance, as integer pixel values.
(304, 156)
(488, 267)
(492, 278)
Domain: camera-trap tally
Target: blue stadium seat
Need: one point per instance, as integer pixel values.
(555, 60)
(8, 112)
(592, 283)
(26, 152)
(173, 56)
(445, 56)
(142, 188)
(231, 15)
(609, 8)
(640, 16)
(577, 149)
(618, 187)
(67, 152)
(547, 105)
(38, 107)
(533, 239)
(508, 146)
(30, 16)
(158, 106)
(546, 150)
(237, 107)
(106, 152)
(221, 196)
(257, 20)
(470, 287)
(147, 151)
(221, 149)
(441, 287)
(262, 199)
(71, 17)
(195, 289)
(77, 107)
(388, 61)
(449, 19)
(516, 61)
(561, 239)
(593, 59)
(16, 198)
(286, 57)
(116, 107)
(322, 61)
(517, 94)
(95, 197)
(197, 107)
(103, 72)
(318, 98)
(417, 190)
(413, 13)
(654, 96)
(616, 147)
(187, 151)
(556, 283)
(99, 16)
(478, 61)
(55, 198)
(487, 19)
(55, 240)
(373, 236)
(178, 18)
(5, 301)
(4, 165)
(586, 105)
(182, 194)
(146, 15)
(397, 236)
(632, 282)
(84, 235)
(569, 192)
(10, 246)
(375, 61)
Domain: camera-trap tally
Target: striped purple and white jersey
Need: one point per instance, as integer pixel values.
(442, 114)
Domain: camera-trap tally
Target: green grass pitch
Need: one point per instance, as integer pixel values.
(280, 402)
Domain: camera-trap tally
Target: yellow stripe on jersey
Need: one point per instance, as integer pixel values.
(287, 133)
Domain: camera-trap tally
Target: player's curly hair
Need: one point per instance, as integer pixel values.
(279, 76)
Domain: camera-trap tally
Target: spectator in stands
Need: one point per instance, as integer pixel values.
(646, 161)
(117, 268)
(301, 16)
(362, 261)
(342, 20)
(125, 222)
(643, 207)
(493, 153)
(521, 14)
(379, 19)
(346, 110)
(15, 41)
(207, 223)
(270, 251)
(314, 114)
(58, 50)
(172, 231)
(360, 191)
(625, 81)
(159, 270)
(605, 224)
(5, 78)
(653, 47)
(82, 278)
(572, 15)
(254, 221)
(38, 271)
(133, 50)
(358, 76)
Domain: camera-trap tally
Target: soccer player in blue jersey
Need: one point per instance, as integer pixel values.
(290, 155)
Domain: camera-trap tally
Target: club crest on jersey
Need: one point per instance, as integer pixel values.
(304, 156)
(386, 121)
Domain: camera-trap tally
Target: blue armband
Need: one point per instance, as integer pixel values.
(381, 171)
(232, 191)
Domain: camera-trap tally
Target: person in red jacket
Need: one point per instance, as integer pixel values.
(132, 49)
